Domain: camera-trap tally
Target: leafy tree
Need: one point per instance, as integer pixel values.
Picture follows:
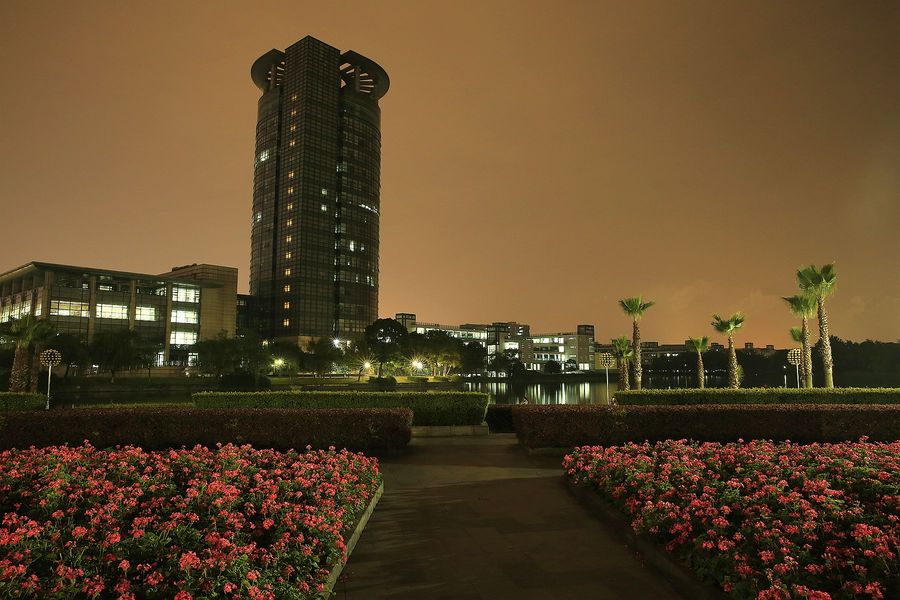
(552, 367)
(72, 349)
(219, 355)
(442, 350)
(635, 308)
(147, 350)
(115, 350)
(623, 352)
(252, 356)
(728, 327)
(321, 355)
(384, 338)
(819, 283)
(699, 345)
(499, 362)
(292, 357)
(804, 306)
(24, 334)
(472, 358)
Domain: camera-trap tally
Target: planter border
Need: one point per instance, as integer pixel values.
(449, 430)
(664, 564)
(351, 544)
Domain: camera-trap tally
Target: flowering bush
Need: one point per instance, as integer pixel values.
(228, 522)
(763, 520)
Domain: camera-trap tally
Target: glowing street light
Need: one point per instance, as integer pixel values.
(367, 365)
(417, 365)
(336, 342)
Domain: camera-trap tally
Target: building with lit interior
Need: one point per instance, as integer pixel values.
(573, 350)
(316, 192)
(174, 310)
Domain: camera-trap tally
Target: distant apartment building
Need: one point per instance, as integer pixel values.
(572, 349)
(175, 309)
(654, 350)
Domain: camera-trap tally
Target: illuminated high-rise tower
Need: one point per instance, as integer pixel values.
(316, 191)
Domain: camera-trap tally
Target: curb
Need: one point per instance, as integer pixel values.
(651, 554)
(351, 544)
(449, 430)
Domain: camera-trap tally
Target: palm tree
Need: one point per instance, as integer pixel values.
(22, 333)
(623, 351)
(699, 345)
(634, 308)
(804, 306)
(728, 327)
(820, 284)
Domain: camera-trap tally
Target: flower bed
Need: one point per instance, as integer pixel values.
(226, 523)
(762, 520)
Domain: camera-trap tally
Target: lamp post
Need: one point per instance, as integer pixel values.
(606, 360)
(50, 358)
(794, 356)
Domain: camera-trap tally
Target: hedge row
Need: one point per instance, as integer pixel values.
(429, 408)
(761, 396)
(568, 426)
(21, 401)
(360, 429)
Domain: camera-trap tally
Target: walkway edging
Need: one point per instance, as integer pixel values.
(667, 566)
(351, 544)
(449, 430)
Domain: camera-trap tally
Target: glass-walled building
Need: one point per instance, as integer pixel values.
(316, 192)
(174, 310)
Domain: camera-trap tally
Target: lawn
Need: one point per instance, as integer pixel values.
(213, 523)
(760, 519)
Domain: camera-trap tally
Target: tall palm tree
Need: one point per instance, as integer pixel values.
(797, 336)
(804, 306)
(699, 345)
(820, 284)
(634, 308)
(728, 327)
(623, 352)
(22, 333)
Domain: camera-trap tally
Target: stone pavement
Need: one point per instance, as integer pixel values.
(473, 518)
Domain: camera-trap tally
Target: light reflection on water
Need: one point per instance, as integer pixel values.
(589, 392)
(546, 393)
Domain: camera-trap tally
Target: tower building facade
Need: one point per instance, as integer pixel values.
(316, 191)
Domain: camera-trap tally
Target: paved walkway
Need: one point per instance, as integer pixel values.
(477, 518)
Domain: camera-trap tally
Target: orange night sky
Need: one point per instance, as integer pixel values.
(540, 159)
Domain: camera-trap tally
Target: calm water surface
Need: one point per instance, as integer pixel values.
(588, 392)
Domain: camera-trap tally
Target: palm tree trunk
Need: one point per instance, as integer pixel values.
(636, 342)
(806, 369)
(827, 362)
(732, 365)
(624, 384)
(701, 379)
(34, 371)
(20, 375)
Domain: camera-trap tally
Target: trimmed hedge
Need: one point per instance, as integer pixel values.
(21, 401)
(429, 408)
(370, 430)
(760, 396)
(568, 426)
(499, 418)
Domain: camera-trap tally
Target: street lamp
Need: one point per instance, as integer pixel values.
(50, 358)
(606, 360)
(794, 356)
(279, 362)
(417, 365)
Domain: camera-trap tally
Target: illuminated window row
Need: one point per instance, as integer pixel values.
(183, 338)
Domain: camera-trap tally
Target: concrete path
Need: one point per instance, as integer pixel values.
(477, 518)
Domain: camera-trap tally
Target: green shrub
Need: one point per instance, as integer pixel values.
(21, 401)
(417, 379)
(429, 408)
(387, 383)
(370, 430)
(568, 426)
(761, 396)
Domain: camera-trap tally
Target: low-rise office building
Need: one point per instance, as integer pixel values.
(175, 309)
(572, 350)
